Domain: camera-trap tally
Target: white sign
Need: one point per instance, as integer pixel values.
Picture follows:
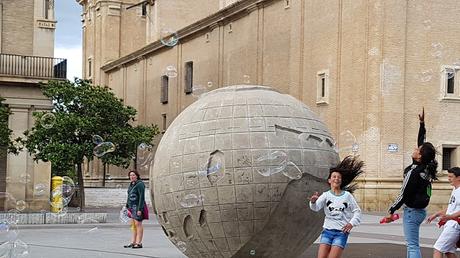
(392, 147)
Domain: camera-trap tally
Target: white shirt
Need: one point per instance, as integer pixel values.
(339, 209)
(454, 206)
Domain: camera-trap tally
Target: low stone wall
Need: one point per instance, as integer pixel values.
(377, 194)
(109, 197)
(52, 218)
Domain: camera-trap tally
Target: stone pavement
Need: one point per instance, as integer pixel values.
(107, 239)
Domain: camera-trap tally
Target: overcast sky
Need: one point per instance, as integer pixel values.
(68, 35)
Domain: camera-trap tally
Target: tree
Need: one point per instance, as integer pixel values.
(81, 111)
(5, 132)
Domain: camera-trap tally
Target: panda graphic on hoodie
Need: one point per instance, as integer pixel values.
(339, 209)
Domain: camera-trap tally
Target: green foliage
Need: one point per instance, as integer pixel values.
(81, 111)
(5, 131)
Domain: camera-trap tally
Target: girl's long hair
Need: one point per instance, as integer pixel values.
(428, 153)
(350, 168)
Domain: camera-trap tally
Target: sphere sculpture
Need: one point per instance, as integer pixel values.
(233, 173)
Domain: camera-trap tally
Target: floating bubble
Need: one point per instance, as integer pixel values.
(215, 167)
(426, 76)
(182, 246)
(61, 212)
(246, 78)
(268, 171)
(355, 147)
(427, 24)
(20, 249)
(171, 71)
(168, 37)
(56, 200)
(25, 178)
(118, 186)
(198, 90)
(450, 73)
(68, 186)
(12, 216)
(209, 84)
(39, 189)
(48, 120)
(252, 252)
(292, 171)
(8, 201)
(21, 205)
(103, 148)
(97, 139)
(436, 49)
(272, 158)
(8, 231)
(373, 51)
(144, 155)
(191, 200)
(271, 163)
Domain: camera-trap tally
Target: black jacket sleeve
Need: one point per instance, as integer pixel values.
(408, 187)
(421, 134)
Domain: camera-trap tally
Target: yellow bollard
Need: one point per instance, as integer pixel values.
(56, 194)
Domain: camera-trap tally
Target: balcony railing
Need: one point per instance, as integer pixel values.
(33, 66)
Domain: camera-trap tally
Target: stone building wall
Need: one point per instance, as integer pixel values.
(382, 62)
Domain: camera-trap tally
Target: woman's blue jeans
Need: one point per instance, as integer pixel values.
(412, 220)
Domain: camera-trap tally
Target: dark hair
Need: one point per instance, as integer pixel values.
(135, 172)
(454, 170)
(349, 168)
(428, 153)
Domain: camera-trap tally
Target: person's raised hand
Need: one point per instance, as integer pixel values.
(347, 228)
(314, 197)
(421, 116)
(431, 218)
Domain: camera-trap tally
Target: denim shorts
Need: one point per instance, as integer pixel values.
(334, 237)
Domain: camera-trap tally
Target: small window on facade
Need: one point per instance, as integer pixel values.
(207, 37)
(322, 87)
(450, 87)
(287, 3)
(47, 8)
(164, 89)
(450, 82)
(230, 28)
(448, 157)
(163, 124)
(144, 9)
(90, 67)
(188, 88)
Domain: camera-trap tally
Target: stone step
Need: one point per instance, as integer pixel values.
(53, 218)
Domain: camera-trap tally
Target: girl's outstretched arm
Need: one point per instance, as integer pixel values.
(319, 203)
(422, 130)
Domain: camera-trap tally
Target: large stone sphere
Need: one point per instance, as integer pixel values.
(233, 173)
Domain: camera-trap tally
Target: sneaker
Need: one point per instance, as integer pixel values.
(129, 246)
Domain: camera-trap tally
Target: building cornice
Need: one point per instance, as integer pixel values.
(220, 18)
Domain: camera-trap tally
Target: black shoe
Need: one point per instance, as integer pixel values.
(137, 246)
(129, 246)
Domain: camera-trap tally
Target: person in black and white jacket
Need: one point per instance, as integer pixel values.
(416, 190)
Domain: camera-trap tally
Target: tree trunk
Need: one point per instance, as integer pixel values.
(81, 186)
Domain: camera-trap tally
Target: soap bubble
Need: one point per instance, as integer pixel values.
(171, 71)
(48, 120)
(168, 37)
